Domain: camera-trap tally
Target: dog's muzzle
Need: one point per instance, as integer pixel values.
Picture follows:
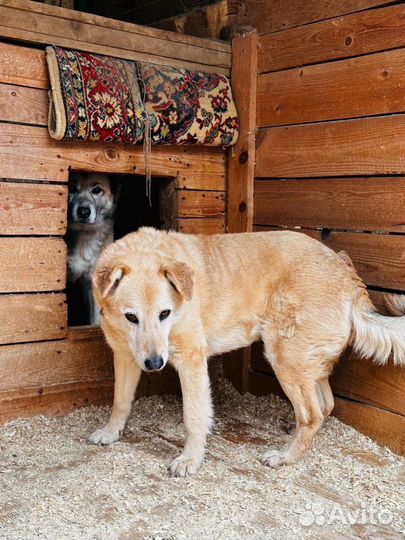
(155, 363)
(83, 212)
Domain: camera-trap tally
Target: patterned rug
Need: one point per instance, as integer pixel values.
(93, 98)
(188, 107)
(98, 98)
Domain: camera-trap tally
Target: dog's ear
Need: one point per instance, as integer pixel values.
(180, 277)
(107, 278)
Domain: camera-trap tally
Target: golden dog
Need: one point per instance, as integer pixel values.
(166, 296)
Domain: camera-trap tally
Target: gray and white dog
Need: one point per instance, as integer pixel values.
(90, 229)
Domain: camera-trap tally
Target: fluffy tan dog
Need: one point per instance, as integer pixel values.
(182, 298)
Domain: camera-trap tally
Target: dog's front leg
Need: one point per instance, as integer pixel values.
(127, 374)
(197, 410)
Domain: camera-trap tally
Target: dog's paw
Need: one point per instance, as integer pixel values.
(104, 436)
(275, 458)
(184, 466)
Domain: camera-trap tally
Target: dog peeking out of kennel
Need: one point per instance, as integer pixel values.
(103, 208)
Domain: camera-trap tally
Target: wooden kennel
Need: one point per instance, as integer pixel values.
(321, 95)
(44, 365)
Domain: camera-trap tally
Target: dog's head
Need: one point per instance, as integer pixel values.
(140, 299)
(91, 200)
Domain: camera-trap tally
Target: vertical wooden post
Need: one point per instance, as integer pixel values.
(241, 173)
(242, 155)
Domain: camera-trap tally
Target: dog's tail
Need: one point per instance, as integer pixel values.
(395, 303)
(377, 336)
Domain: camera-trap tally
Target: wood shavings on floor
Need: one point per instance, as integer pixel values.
(55, 486)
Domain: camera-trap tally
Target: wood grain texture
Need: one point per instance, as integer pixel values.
(200, 203)
(32, 264)
(96, 20)
(366, 146)
(23, 105)
(67, 28)
(27, 152)
(32, 317)
(274, 15)
(352, 35)
(83, 357)
(361, 380)
(364, 86)
(28, 209)
(54, 400)
(361, 204)
(378, 258)
(214, 183)
(201, 225)
(242, 155)
(385, 427)
(23, 66)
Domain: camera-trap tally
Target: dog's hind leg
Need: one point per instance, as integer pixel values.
(325, 396)
(197, 410)
(302, 376)
(127, 374)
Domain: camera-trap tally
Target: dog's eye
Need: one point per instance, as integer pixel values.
(164, 314)
(72, 188)
(97, 190)
(132, 318)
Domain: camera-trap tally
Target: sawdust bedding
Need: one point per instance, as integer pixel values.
(55, 486)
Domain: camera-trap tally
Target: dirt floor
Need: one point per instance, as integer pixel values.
(53, 485)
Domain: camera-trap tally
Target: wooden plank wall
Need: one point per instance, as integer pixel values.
(44, 366)
(330, 160)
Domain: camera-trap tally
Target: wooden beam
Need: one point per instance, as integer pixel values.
(32, 209)
(362, 380)
(364, 86)
(241, 171)
(23, 66)
(83, 357)
(366, 146)
(385, 427)
(242, 156)
(54, 400)
(274, 15)
(343, 37)
(32, 317)
(32, 264)
(378, 258)
(23, 105)
(27, 152)
(360, 204)
(38, 23)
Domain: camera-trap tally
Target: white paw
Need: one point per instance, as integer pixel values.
(104, 436)
(275, 458)
(184, 466)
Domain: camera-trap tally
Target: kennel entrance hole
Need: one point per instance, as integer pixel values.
(133, 210)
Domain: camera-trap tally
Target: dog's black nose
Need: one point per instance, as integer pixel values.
(154, 363)
(83, 212)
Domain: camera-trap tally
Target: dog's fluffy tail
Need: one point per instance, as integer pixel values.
(377, 336)
(395, 303)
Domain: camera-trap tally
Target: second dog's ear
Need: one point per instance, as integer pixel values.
(107, 278)
(180, 277)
